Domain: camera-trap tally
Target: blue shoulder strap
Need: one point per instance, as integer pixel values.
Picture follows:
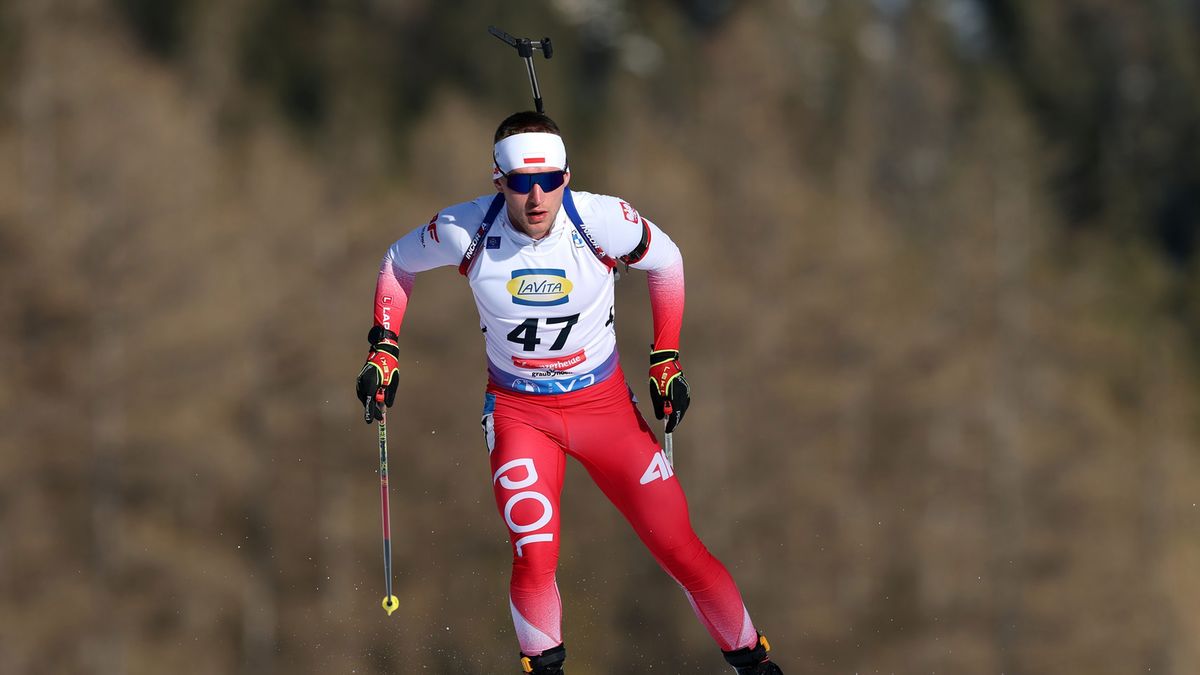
(488, 219)
(577, 221)
(572, 213)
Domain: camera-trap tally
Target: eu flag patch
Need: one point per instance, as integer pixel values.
(493, 242)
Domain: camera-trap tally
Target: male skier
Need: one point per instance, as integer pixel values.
(540, 262)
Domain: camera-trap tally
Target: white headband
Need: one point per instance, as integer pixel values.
(532, 148)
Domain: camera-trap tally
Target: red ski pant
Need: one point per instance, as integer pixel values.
(529, 437)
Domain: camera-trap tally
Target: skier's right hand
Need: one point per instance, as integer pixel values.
(379, 372)
(670, 394)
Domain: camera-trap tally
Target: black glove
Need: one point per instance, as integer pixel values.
(379, 372)
(669, 392)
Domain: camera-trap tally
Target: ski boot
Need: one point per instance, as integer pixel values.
(753, 660)
(549, 663)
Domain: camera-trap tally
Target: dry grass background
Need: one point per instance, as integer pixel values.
(938, 427)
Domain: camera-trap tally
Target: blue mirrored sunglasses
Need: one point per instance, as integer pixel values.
(522, 183)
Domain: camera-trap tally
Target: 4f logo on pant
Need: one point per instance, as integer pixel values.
(659, 468)
(531, 477)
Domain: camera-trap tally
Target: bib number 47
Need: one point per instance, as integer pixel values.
(526, 333)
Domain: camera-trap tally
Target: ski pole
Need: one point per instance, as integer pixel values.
(390, 603)
(670, 452)
(525, 48)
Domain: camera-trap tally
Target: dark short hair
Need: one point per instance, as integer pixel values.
(525, 121)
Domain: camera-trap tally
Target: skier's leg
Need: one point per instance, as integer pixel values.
(527, 474)
(615, 444)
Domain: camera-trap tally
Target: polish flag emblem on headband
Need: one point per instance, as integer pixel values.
(530, 149)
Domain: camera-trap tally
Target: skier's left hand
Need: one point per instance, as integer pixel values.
(667, 386)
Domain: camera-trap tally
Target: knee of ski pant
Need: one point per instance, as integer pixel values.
(689, 563)
(535, 570)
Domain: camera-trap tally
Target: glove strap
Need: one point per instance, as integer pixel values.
(388, 347)
(383, 340)
(663, 356)
(378, 334)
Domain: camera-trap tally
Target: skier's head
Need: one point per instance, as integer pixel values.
(526, 120)
(530, 170)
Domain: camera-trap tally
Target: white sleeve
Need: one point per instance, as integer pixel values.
(439, 243)
(622, 231)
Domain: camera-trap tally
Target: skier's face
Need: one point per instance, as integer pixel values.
(533, 212)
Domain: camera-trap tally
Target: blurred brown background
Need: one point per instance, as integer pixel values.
(942, 331)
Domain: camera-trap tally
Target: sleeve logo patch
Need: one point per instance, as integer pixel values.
(630, 213)
(431, 231)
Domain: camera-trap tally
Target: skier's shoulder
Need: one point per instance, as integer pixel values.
(455, 225)
(464, 217)
(603, 211)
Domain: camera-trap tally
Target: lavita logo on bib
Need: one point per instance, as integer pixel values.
(539, 287)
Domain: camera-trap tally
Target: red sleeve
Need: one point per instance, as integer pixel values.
(391, 294)
(666, 304)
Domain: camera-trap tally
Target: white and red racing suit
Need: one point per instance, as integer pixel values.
(555, 388)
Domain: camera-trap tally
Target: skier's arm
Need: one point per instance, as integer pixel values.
(392, 289)
(670, 393)
(664, 277)
(437, 244)
(640, 244)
